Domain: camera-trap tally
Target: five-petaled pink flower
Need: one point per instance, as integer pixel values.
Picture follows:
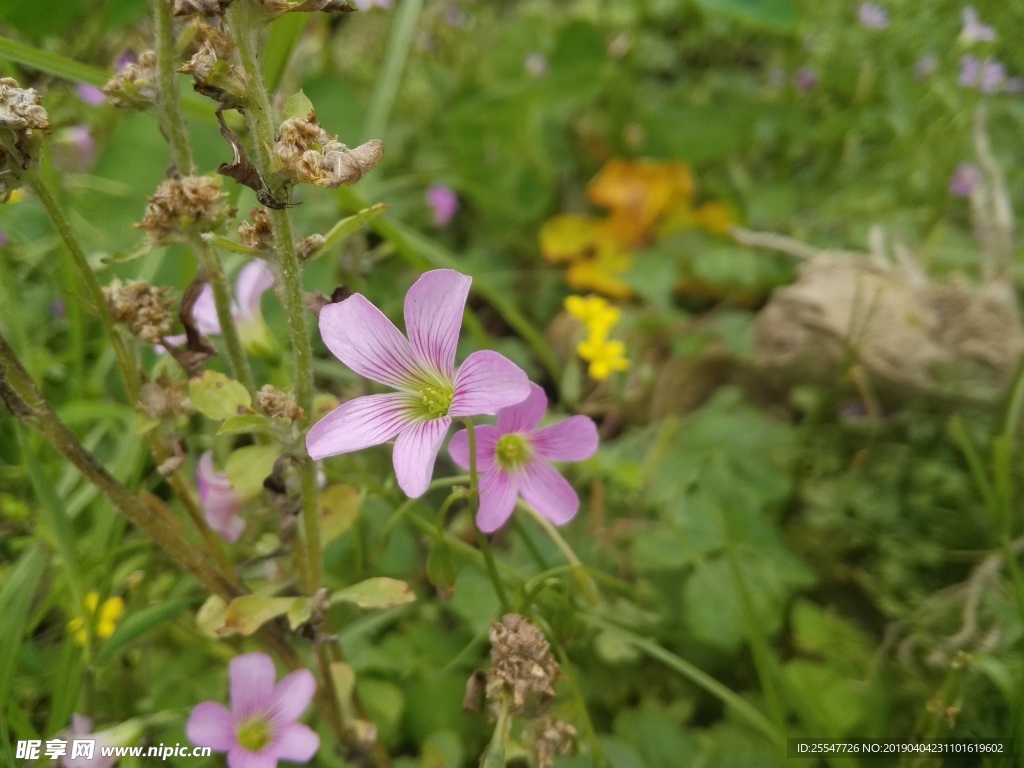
(260, 728)
(219, 500)
(422, 368)
(514, 460)
(253, 281)
(444, 202)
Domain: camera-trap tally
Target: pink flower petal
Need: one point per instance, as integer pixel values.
(415, 452)
(358, 424)
(498, 491)
(526, 415)
(367, 342)
(574, 439)
(545, 490)
(239, 757)
(204, 313)
(252, 684)
(293, 694)
(486, 383)
(486, 440)
(296, 743)
(433, 316)
(211, 725)
(254, 280)
(219, 500)
(82, 724)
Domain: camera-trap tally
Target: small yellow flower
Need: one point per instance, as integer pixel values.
(105, 620)
(605, 356)
(592, 311)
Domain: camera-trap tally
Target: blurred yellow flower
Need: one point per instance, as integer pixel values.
(639, 192)
(715, 218)
(105, 620)
(592, 311)
(605, 356)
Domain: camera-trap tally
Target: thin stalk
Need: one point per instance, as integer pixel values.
(474, 505)
(67, 236)
(168, 101)
(211, 262)
(582, 578)
(246, 20)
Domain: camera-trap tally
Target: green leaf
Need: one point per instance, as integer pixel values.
(775, 15)
(298, 105)
(248, 467)
(380, 592)
(339, 507)
(441, 568)
(347, 227)
(216, 396)
(137, 251)
(246, 614)
(210, 615)
(139, 623)
(246, 424)
(230, 245)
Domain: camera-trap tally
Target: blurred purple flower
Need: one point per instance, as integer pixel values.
(81, 728)
(431, 390)
(444, 202)
(993, 76)
(515, 459)
(805, 79)
(253, 281)
(970, 70)
(90, 94)
(966, 176)
(58, 311)
(974, 31)
(926, 66)
(454, 17)
(536, 64)
(261, 727)
(873, 16)
(219, 500)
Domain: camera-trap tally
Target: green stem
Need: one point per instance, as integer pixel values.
(474, 505)
(246, 19)
(580, 575)
(60, 223)
(211, 262)
(168, 101)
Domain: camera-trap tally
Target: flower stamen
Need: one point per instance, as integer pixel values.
(254, 734)
(512, 451)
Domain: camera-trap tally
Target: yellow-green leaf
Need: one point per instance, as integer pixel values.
(339, 509)
(248, 467)
(246, 614)
(218, 397)
(380, 592)
(346, 227)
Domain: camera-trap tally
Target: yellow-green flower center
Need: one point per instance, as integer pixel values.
(435, 401)
(512, 451)
(254, 734)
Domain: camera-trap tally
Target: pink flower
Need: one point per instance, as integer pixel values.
(260, 728)
(974, 31)
(443, 202)
(253, 281)
(873, 16)
(422, 368)
(988, 75)
(514, 456)
(90, 94)
(966, 176)
(219, 500)
(536, 64)
(805, 79)
(81, 729)
(926, 66)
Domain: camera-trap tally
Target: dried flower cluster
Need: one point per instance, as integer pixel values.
(188, 204)
(552, 738)
(134, 86)
(278, 404)
(164, 398)
(306, 153)
(212, 72)
(203, 7)
(523, 671)
(259, 234)
(144, 308)
(23, 123)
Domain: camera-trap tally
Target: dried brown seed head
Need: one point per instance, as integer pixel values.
(523, 670)
(212, 72)
(204, 7)
(306, 153)
(20, 109)
(278, 404)
(134, 85)
(260, 233)
(307, 247)
(552, 738)
(164, 398)
(144, 308)
(188, 204)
